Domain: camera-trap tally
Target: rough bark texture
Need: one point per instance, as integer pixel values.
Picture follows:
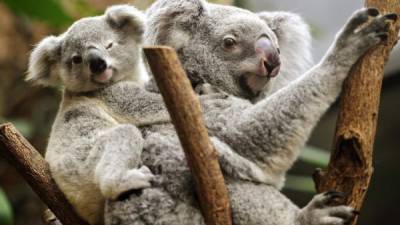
(350, 168)
(184, 108)
(35, 170)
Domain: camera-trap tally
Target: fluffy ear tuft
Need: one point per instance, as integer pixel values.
(43, 62)
(127, 18)
(166, 16)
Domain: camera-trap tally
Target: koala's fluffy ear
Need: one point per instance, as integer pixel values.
(177, 18)
(128, 19)
(281, 22)
(44, 61)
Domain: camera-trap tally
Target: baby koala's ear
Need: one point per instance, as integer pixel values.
(44, 62)
(127, 18)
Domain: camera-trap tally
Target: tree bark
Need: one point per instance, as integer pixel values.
(35, 170)
(350, 167)
(184, 108)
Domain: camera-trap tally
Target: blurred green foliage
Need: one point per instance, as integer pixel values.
(5, 210)
(24, 126)
(240, 3)
(315, 156)
(300, 183)
(84, 9)
(49, 11)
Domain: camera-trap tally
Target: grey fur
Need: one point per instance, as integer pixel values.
(101, 130)
(267, 134)
(95, 146)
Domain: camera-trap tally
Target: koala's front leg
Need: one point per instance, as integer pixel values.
(271, 132)
(117, 171)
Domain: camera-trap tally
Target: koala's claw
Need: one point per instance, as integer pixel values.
(321, 211)
(361, 17)
(365, 29)
(329, 198)
(374, 12)
(333, 195)
(383, 36)
(392, 16)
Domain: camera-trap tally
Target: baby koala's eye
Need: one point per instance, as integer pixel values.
(109, 45)
(76, 59)
(229, 42)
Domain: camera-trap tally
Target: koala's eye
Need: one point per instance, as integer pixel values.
(77, 59)
(229, 42)
(110, 45)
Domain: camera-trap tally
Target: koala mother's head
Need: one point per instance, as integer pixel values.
(94, 52)
(230, 48)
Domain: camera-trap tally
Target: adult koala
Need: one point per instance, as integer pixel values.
(237, 52)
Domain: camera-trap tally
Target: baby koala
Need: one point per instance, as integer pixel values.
(95, 144)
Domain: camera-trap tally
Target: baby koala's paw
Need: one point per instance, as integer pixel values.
(133, 181)
(322, 210)
(206, 89)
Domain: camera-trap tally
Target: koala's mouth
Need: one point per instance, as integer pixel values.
(253, 83)
(103, 78)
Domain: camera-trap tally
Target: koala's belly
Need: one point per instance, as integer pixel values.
(171, 199)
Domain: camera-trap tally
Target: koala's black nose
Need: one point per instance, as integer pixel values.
(97, 64)
(268, 54)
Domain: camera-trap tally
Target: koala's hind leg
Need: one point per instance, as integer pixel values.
(272, 131)
(117, 172)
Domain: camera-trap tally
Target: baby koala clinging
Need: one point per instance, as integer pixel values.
(95, 146)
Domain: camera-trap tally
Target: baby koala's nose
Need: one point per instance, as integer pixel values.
(97, 64)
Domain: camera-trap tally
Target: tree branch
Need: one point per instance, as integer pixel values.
(184, 108)
(350, 168)
(35, 170)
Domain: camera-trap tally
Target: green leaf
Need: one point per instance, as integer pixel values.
(49, 11)
(5, 210)
(315, 156)
(300, 183)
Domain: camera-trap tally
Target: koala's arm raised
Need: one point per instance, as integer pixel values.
(272, 131)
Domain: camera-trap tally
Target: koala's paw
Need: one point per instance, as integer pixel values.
(206, 89)
(133, 181)
(365, 29)
(322, 211)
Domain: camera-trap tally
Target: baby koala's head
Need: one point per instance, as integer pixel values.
(93, 53)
